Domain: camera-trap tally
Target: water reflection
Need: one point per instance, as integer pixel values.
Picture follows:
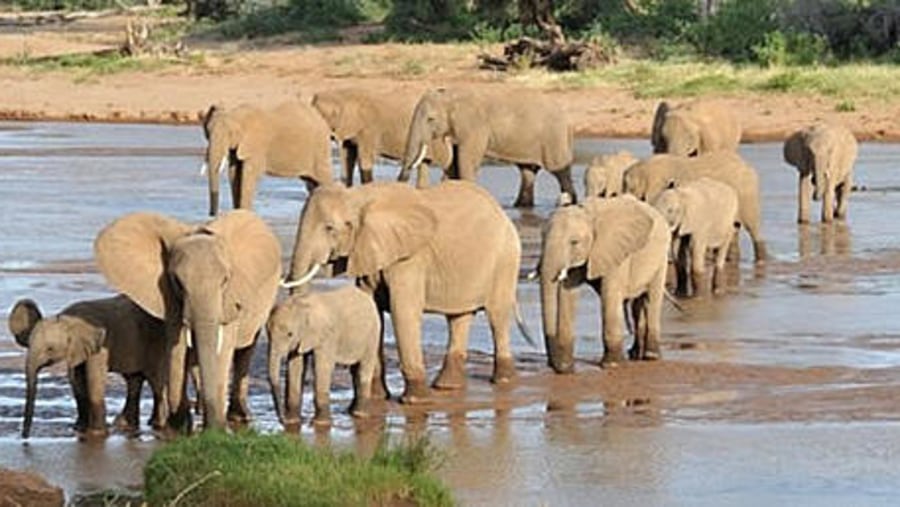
(832, 239)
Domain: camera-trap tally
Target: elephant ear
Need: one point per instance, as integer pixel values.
(254, 254)
(22, 319)
(85, 339)
(392, 228)
(349, 117)
(211, 113)
(795, 151)
(656, 137)
(251, 137)
(621, 226)
(131, 252)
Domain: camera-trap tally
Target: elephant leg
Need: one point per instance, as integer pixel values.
(96, 370)
(367, 158)
(843, 197)
(238, 409)
(78, 381)
(804, 193)
(349, 155)
(379, 385)
(129, 419)
(249, 180)
(160, 411)
(639, 316)
(362, 373)
(322, 399)
(682, 261)
(453, 371)
(406, 313)
(718, 281)
(423, 176)
(561, 351)
(293, 387)
(698, 268)
(828, 203)
(499, 317)
(176, 387)
(468, 159)
(564, 177)
(653, 317)
(527, 175)
(611, 308)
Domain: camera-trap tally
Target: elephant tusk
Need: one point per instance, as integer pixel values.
(189, 337)
(532, 275)
(561, 277)
(203, 169)
(421, 156)
(223, 164)
(303, 280)
(219, 332)
(449, 145)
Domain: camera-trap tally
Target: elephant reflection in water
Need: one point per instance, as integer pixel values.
(834, 239)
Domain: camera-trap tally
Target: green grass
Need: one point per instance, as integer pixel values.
(249, 469)
(87, 66)
(648, 79)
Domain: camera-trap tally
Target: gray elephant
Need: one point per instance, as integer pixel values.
(604, 176)
(524, 128)
(94, 337)
(213, 285)
(369, 124)
(694, 128)
(648, 178)
(448, 249)
(824, 155)
(338, 326)
(618, 246)
(703, 215)
(290, 140)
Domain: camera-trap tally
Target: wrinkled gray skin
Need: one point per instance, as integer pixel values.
(337, 326)
(824, 155)
(290, 140)
(703, 216)
(694, 128)
(604, 176)
(619, 247)
(648, 178)
(213, 284)
(523, 128)
(92, 338)
(369, 124)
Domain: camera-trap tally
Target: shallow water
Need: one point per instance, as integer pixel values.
(827, 299)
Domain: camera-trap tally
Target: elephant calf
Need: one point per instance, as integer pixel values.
(603, 178)
(337, 326)
(94, 337)
(703, 215)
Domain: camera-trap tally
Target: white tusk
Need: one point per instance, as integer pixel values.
(203, 169)
(219, 332)
(532, 275)
(189, 337)
(305, 279)
(561, 277)
(421, 156)
(223, 164)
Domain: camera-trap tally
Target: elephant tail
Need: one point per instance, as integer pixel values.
(523, 327)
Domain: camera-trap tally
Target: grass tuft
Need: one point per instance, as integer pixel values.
(249, 469)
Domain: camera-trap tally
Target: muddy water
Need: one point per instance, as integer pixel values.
(782, 391)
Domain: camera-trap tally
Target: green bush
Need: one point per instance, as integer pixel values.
(737, 27)
(249, 469)
(52, 5)
(801, 48)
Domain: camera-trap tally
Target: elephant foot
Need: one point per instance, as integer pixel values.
(416, 392)
(181, 421)
(380, 391)
(759, 251)
(652, 355)
(504, 370)
(238, 413)
(561, 362)
(453, 373)
(322, 417)
(121, 423)
(96, 433)
(360, 409)
(612, 359)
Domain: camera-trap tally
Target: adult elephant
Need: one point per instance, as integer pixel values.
(648, 178)
(213, 285)
(369, 124)
(824, 155)
(524, 128)
(448, 249)
(290, 140)
(619, 246)
(694, 128)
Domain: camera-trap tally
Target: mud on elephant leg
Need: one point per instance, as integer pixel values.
(453, 371)
(528, 174)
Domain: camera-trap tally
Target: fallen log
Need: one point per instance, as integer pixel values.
(555, 56)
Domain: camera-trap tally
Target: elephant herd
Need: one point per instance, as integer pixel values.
(194, 298)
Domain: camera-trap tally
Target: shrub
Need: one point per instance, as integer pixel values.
(737, 27)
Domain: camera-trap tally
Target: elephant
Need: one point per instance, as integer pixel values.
(289, 140)
(213, 285)
(338, 326)
(703, 215)
(824, 154)
(368, 124)
(523, 128)
(694, 128)
(93, 337)
(447, 249)
(651, 176)
(619, 246)
(603, 178)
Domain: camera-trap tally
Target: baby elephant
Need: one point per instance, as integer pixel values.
(604, 177)
(94, 337)
(338, 326)
(703, 214)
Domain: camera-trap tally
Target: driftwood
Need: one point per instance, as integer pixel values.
(556, 55)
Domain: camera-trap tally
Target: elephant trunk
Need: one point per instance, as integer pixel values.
(275, 359)
(820, 182)
(556, 312)
(214, 355)
(416, 148)
(30, 395)
(217, 160)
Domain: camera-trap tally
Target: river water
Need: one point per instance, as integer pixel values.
(779, 392)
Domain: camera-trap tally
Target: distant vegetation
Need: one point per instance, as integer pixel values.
(249, 469)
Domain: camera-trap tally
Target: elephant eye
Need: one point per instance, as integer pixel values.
(329, 228)
(573, 241)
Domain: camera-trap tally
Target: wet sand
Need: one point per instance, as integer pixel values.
(782, 391)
